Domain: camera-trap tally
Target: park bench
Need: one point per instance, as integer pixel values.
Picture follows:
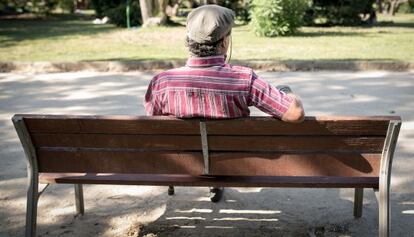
(321, 152)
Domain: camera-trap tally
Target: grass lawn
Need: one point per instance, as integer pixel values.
(76, 39)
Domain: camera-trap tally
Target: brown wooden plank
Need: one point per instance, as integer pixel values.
(296, 143)
(238, 164)
(168, 142)
(112, 125)
(159, 118)
(216, 143)
(309, 127)
(262, 164)
(208, 181)
(327, 125)
(120, 162)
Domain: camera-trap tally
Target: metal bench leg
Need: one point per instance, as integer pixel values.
(383, 194)
(170, 190)
(32, 174)
(31, 208)
(384, 212)
(80, 208)
(358, 199)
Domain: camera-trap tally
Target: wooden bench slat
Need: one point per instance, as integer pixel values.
(167, 125)
(121, 162)
(309, 127)
(296, 143)
(176, 142)
(216, 143)
(208, 181)
(221, 163)
(346, 165)
(113, 125)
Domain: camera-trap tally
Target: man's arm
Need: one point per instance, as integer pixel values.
(295, 113)
(278, 101)
(150, 104)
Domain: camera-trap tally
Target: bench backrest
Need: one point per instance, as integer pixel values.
(255, 146)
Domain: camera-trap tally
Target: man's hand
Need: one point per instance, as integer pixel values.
(284, 88)
(295, 113)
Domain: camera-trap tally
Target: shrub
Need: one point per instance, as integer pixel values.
(100, 6)
(277, 17)
(406, 7)
(240, 7)
(67, 5)
(117, 15)
(338, 12)
(116, 11)
(39, 7)
(42, 7)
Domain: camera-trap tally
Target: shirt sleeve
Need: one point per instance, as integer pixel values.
(268, 98)
(151, 105)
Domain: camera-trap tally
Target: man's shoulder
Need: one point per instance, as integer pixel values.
(243, 71)
(239, 68)
(171, 72)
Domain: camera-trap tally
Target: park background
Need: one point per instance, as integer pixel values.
(344, 57)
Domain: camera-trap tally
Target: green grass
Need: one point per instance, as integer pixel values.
(76, 39)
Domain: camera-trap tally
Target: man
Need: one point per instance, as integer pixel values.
(208, 87)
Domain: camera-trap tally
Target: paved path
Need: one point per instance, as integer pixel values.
(121, 210)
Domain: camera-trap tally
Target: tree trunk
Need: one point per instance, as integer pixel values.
(153, 12)
(372, 20)
(172, 10)
(392, 8)
(398, 5)
(394, 5)
(380, 7)
(146, 10)
(161, 8)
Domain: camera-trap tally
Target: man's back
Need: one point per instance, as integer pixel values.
(208, 87)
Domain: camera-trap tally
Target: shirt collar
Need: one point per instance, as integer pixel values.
(217, 60)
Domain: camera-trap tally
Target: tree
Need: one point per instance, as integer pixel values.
(154, 12)
(393, 6)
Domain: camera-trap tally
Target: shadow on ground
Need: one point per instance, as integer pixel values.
(138, 210)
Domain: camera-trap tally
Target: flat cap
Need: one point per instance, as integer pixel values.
(209, 23)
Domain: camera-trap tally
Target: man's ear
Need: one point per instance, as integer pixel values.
(223, 43)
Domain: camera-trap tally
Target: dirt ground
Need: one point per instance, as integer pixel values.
(149, 211)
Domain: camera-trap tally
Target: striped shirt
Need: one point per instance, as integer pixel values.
(208, 87)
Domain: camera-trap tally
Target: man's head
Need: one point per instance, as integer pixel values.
(208, 30)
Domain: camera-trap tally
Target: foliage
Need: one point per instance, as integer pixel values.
(116, 11)
(117, 15)
(277, 17)
(67, 5)
(101, 6)
(40, 7)
(338, 12)
(406, 7)
(240, 7)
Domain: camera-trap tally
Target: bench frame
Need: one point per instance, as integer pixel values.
(382, 193)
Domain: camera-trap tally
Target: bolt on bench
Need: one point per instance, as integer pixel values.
(321, 152)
